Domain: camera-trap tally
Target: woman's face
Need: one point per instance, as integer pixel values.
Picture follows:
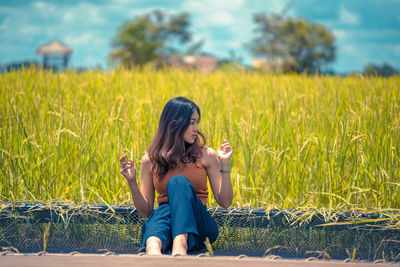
(190, 134)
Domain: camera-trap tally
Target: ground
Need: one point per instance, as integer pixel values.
(136, 260)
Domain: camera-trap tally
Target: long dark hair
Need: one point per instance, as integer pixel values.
(168, 148)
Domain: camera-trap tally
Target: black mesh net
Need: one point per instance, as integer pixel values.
(101, 228)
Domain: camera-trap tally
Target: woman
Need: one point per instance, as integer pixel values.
(176, 165)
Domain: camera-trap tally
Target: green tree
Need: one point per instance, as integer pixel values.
(304, 46)
(385, 70)
(148, 37)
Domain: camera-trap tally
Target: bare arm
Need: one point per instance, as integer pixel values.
(143, 199)
(220, 183)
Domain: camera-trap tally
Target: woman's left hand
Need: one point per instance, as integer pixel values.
(225, 151)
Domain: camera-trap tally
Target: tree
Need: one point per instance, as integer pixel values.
(304, 46)
(385, 70)
(148, 37)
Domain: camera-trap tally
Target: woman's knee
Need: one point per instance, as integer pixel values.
(179, 187)
(178, 181)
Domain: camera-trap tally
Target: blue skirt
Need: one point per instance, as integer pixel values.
(183, 213)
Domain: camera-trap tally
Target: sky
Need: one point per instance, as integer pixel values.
(366, 31)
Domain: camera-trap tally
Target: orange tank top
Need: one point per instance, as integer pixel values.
(196, 174)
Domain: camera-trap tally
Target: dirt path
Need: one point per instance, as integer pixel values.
(51, 260)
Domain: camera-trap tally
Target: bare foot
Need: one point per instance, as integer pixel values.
(179, 246)
(153, 246)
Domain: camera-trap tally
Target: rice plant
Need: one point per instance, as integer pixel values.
(299, 141)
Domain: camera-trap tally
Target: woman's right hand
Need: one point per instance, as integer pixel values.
(128, 169)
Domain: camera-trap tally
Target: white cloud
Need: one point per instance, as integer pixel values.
(87, 26)
(392, 51)
(340, 34)
(93, 13)
(82, 39)
(368, 35)
(12, 30)
(349, 49)
(84, 12)
(5, 25)
(30, 29)
(69, 16)
(231, 14)
(39, 5)
(196, 6)
(45, 9)
(348, 18)
(221, 18)
(86, 38)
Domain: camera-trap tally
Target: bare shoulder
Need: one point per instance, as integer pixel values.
(208, 151)
(146, 163)
(208, 156)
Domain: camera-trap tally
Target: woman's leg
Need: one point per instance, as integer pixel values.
(189, 215)
(156, 231)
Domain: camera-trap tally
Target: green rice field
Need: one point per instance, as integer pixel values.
(299, 141)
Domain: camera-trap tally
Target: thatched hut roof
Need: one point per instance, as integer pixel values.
(53, 47)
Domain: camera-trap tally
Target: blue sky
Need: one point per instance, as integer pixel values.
(366, 31)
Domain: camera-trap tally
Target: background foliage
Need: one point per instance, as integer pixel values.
(150, 36)
(299, 141)
(303, 45)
